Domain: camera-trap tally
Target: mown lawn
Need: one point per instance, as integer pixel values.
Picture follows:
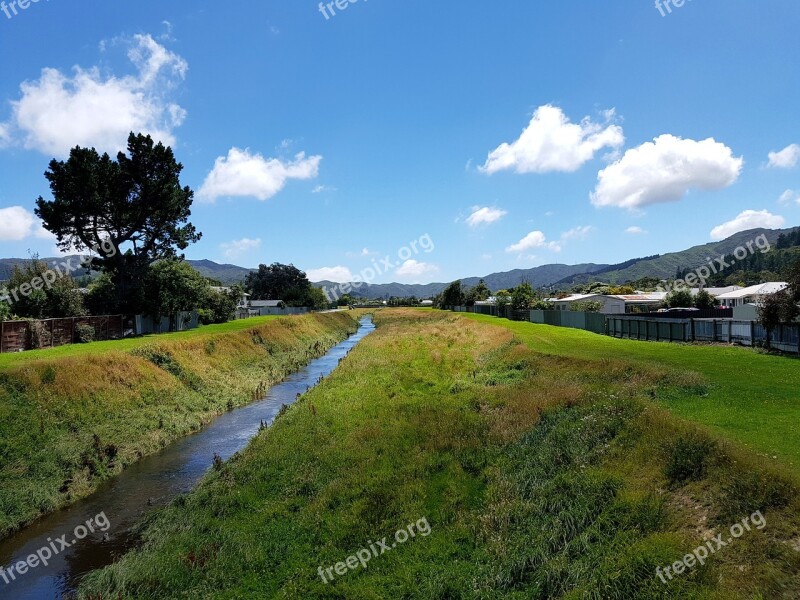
(751, 396)
(538, 476)
(95, 348)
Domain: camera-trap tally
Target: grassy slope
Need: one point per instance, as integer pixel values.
(73, 417)
(540, 476)
(95, 348)
(752, 396)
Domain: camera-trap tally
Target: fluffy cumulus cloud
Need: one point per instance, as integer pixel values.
(635, 230)
(664, 170)
(241, 247)
(749, 219)
(789, 196)
(337, 274)
(245, 174)
(551, 142)
(87, 108)
(786, 158)
(17, 223)
(535, 239)
(485, 216)
(413, 269)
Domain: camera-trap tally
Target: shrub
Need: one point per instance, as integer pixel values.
(688, 459)
(84, 334)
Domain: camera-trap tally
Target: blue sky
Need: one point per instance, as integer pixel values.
(513, 134)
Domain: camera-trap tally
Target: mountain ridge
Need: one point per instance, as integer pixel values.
(661, 266)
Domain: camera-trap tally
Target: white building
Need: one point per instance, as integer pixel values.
(717, 292)
(616, 304)
(751, 295)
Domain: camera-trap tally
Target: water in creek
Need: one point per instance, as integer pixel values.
(150, 483)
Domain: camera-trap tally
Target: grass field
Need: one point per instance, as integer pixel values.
(95, 348)
(526, 475)
(74, 416)
(750, 396)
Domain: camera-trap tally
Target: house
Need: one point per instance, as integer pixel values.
(244, 299)
(751, 295)
(716, 292)
(267, 304)
(567, 302)
(615, 304)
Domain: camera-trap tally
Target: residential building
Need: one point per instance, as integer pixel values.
(751, 295)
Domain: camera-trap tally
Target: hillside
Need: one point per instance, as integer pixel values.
(665, 266)
(558, 275)
(538, 277)
(225, 274)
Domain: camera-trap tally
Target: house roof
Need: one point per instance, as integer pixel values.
(717, 291)
(574, 298)
(266, 303)
(641, 298)
(762, 289)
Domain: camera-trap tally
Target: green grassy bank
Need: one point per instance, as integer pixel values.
(539, 477)
(749, 395)
(70, 419)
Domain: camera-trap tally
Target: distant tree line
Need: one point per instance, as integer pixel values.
(520, 297)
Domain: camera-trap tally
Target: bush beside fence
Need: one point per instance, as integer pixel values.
(17, 336)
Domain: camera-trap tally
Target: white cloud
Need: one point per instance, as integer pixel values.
(551, 142)
(16, 224)
(485, 216)
(786, 158)
(535, 239)
(58, 112)
(635, 230)
(244, 174)
(789, 196)
(238, 248)
(323, 188)
(576, 233)
(337, 274)
(749, 219)
(413, 269)
(364, 252)
(664, 170)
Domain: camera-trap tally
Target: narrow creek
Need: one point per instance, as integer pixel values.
(150, 483)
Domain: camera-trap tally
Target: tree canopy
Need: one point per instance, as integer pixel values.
(282, 282)
(39, 292)
(453, 295)
(129, 212)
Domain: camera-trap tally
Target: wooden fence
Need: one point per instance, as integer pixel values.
(17, 336)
